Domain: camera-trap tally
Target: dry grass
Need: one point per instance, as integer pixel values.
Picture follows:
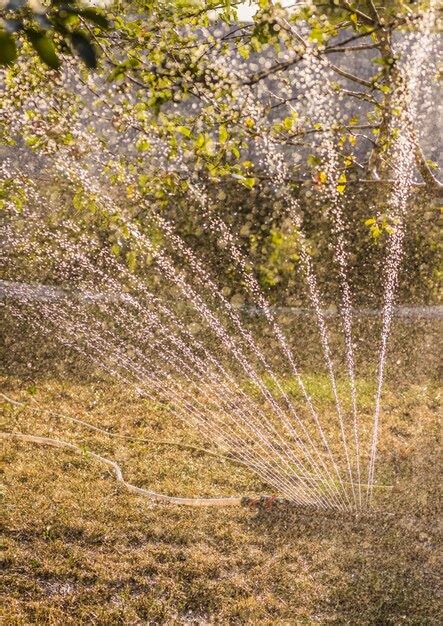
(78, 549)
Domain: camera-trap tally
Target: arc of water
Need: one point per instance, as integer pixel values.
(415, 76)
(256, 291)
(208, 315)
(285, 399)
(314, 296)
(234, 316)
(262, 388)
(94, 342)
(190, 411)
(320, 98)
(310, 56)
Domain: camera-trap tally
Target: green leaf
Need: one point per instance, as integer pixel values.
(243, 51)
(142, 145)
(44, 46)
(322, 178)
(313, 160)
(341, 187)
(118, 73)
(77, 201)
(184, 130)
(94, 16)
(8, 49)
(143, 179)
(32, 140)
(375, 231)
(67, 139)
(248, 182)
(317, 35)
(84, 49)
(223, 134)
(200, 141)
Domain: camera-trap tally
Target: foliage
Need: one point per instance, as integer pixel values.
(190, 93)
(52, 29)
(194, 65)
(281, 253)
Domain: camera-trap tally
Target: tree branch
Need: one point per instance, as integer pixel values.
(374, 11)
(366, 18)
(349, 76)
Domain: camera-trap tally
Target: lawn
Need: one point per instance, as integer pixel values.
(79, 549)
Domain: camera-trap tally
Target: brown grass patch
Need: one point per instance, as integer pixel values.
(78, 549)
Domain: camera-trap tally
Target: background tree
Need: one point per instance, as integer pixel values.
(187, 91)
(201, 71)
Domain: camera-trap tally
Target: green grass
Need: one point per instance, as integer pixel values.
(319, 388)
(79, 549)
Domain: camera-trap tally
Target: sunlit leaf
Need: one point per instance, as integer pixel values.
(248, 182)
(223, 134)
(184, 130)
(142, 145)
(45, 48)
(341, 186)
